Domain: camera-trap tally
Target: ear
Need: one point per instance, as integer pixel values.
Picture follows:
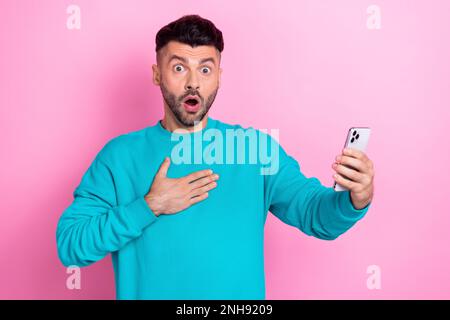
(220, 76)
(156, 75)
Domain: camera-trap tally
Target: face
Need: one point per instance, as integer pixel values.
(184, 71)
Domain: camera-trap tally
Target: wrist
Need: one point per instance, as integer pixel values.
(153, 205)
(358, 205)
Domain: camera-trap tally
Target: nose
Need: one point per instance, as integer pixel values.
(192, 84)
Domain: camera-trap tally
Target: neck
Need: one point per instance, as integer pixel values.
(171, 124)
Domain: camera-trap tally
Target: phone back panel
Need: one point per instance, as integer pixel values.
(357, 138)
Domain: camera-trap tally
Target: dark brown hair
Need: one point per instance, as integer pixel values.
(192, 30)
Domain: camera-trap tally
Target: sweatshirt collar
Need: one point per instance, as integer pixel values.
(210, 123)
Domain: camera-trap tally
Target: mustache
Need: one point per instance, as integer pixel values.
(192, 93)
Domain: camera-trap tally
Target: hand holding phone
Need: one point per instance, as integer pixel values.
(357, 138)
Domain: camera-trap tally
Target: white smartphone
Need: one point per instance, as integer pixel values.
(357, 138)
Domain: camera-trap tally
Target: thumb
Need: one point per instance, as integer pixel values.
(162, 171)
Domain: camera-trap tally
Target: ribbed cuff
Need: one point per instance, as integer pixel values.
(347, 208)
(140, 213)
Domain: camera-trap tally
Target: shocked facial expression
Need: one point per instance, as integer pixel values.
(189, 79)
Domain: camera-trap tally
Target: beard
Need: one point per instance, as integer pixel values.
(187, 119)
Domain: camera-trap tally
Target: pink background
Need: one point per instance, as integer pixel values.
(311, 69)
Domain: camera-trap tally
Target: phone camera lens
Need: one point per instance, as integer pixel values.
(354, 132)
(353, 139)
(357, 136)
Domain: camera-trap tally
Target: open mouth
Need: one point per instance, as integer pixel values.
(191, 104)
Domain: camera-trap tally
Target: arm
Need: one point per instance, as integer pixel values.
(94, 225)
(307, 204)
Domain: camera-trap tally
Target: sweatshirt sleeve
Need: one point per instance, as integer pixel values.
(94, 225)
(306, 204)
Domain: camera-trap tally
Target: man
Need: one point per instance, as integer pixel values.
(179, 228)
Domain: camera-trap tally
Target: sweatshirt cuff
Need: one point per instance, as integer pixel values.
(347, 208)
(140, 213)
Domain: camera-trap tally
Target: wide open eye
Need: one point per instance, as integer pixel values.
(206, 68)
(179, 68)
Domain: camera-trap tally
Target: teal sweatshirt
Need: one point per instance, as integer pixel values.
(214, 249)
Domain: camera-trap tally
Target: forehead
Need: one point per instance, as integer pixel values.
(193, 55)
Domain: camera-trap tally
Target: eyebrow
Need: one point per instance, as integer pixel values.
(174, 56)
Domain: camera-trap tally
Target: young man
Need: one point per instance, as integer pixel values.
(180, 207)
